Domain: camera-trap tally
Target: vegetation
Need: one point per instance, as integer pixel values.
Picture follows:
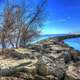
(67, 36)
(20, 23)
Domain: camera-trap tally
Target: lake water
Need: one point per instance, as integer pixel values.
(74, 42)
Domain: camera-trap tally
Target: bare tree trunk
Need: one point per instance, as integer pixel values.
(11, 42)
(22, 43)
(18, 39)
(3, 45)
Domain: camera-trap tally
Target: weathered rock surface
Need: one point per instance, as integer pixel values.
(10, 78)
(42, 61)
(50, 67)
(73, 72)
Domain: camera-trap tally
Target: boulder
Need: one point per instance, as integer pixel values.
(22, 53)
(9, 66)
(44, 67)
(47, 66)
(73, 72)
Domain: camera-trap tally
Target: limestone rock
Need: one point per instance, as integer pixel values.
(38, 77)
(48, 66)
(10, 78)
(50, 77)
(73, 72)
(9, 67)
(43, 66)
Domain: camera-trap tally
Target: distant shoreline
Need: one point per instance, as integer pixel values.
(62, 38)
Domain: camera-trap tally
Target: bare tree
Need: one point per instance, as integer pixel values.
(21, 25)
(5, 27)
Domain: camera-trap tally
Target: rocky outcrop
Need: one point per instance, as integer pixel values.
(49, 67)
(10, 78)
(73, 72)
(42, 61)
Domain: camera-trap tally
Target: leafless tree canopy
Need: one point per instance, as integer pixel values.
(21, 23)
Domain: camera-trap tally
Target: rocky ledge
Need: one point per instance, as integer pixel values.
(43, 61)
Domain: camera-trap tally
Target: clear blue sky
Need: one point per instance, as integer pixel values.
(63, 16)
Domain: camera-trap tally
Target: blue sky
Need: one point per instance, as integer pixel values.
(63, 16)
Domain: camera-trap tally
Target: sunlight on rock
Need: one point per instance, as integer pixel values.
(21, 50)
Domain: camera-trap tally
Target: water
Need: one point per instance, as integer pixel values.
(42, 37)
(74, 42)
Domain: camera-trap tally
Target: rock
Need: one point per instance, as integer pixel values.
(19, 53)
(38, 77)
(46, 50)
(24, 76)
(11, 66)
(50, 77)
(10, 78)
(47, 43)
(43, 66)
(73, 73)
(31, 70)
(46, 66)
(55, 56)
(12, 70)
(42, 61)
(43, 71)
(36, 47)
(22, 53)
(67, 57)
(58, 48)
(36, 54)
